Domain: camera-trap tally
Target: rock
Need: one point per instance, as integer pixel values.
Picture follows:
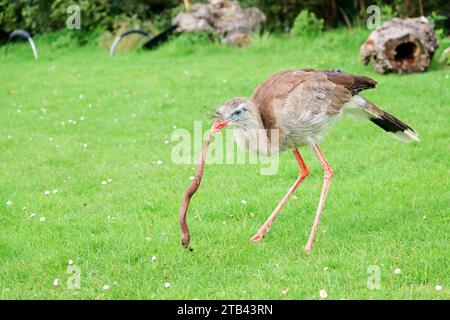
(400, 45)
(234, 24)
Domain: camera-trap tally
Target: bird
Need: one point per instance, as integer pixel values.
(290, 110)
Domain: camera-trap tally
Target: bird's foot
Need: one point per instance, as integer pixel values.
(308, 248)
(257, 237)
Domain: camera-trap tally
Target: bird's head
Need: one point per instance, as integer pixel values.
(234, 113)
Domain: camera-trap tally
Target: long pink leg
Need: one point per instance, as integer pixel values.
(328, 174)
(304, 171)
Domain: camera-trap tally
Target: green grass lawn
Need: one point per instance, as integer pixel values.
(388, 204)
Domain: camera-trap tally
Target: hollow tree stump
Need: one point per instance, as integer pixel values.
(400, 45)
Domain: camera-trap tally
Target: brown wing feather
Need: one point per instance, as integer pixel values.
(273, 92)
(354, 83)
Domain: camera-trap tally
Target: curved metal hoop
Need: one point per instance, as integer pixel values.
(124, 34)
(22, 34)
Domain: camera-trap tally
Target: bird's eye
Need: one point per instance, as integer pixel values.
(238, 112)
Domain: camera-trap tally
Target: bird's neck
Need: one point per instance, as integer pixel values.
(253, 136)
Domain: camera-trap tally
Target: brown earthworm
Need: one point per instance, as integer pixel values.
(185, 238)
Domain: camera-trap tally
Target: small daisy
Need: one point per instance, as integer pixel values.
(70, 262)
(438, 287)
(174, 126)
(167, 285)
(243, 202)
(153, 258)
(109, 179)
(397, 271)
(166, 142)
(55, 191)
(325, 269)
(323, 294)
(32, 215)
(9, 202)
(159, 162)
(46, 192)
(50, 139)
(81, 118)
(284, 291)
(24, 208)
(42, 219)
(104, 182)
(105, 287)
(191, 178)
(56, 282)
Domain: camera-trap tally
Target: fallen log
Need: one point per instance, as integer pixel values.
(400, 45)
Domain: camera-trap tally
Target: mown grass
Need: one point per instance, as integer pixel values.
(388, 204)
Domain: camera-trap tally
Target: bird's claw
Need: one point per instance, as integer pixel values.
(256, 238)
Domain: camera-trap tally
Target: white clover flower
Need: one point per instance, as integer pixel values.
(55, 191)
(397, 271)
(56, 282)
(70, 262)
(323, 294)
(105, 287)
(9, 202)
(153, 258)
(284, 291)
(438, 287)
(159, 162)
(42, 219)
(167, 285)
(104, 182)
(46, 192)
(243, 202)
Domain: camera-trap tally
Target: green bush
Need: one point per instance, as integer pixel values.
(307, 25)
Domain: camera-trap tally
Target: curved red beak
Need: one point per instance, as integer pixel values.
(219, 125)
